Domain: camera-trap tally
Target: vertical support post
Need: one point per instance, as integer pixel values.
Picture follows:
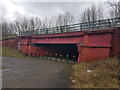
(46, 55)
(80, 26)
(38, 54)
(46, 30)
(50, 56)
(56, 57)
(73, 58)
(43, 55)
(79, 53)
(61, 58)
(80, 47)
(67, 58)
(61, 29)
(35, 54)
(31, 53)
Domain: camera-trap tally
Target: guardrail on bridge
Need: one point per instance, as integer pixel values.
(100, 24)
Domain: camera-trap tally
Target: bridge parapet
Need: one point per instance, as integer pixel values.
(100, 24)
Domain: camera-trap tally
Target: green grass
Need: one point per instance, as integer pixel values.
(2, 68)
(104, 74)
(6, 51)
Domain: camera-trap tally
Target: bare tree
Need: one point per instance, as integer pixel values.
(86, 16)
(44, 25)
(37, 23)
(5, 29)
(68, 18)
(115, 9)
(12, 28)
(100, 13)
(8, 29)
(92, 14)
(18, 28)
(32, 24)
(24, 24)
(59, 20)
(65, 19)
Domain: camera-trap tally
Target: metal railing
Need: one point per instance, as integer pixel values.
(100, 24)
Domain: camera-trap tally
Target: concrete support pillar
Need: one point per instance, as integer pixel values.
(94, 47)
(23, 45)
(115, 50)
(79, 53)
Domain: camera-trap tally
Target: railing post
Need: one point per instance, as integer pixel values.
(80, 26)
(46, 30)
(109, 23)
(105, 23)
(61, 29)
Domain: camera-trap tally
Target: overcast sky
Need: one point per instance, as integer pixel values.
(10, 9)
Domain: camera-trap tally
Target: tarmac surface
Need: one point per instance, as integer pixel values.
(34, 73)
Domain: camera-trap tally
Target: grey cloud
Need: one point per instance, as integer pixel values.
(49, 9)
(45, 9)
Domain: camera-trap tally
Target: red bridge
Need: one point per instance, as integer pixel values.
(84, 45)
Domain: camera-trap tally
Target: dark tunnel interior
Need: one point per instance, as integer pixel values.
(69, 51)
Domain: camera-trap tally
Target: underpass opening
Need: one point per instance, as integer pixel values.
(66, 51)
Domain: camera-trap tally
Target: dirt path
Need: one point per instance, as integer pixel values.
(34, 73)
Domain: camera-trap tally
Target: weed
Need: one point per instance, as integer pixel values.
(104, 74)
(6, 51)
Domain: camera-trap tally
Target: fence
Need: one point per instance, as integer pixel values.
(106, 23)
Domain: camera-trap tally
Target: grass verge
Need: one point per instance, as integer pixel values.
(2, 68)
(6, 51)
(97, 74)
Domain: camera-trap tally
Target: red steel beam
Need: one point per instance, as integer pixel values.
(92, 45)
